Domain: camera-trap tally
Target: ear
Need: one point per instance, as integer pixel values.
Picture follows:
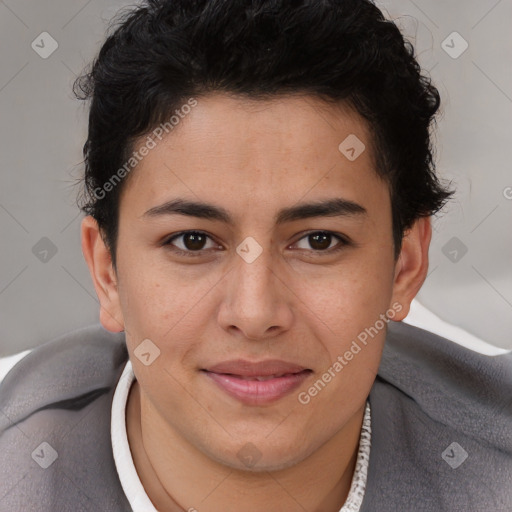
(412, 265)
(103, 275)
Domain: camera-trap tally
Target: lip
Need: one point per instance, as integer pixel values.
(253, 392)
(232, 377)
(244, 368)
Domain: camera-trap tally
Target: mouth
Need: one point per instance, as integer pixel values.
(257, 389)
(259, 378)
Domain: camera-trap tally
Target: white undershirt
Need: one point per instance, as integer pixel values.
(132, 485)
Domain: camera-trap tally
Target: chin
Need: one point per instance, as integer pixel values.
(258, 455)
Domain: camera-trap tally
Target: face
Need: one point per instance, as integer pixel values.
(258, 276)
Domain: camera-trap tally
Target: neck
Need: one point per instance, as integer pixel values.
(176, 476)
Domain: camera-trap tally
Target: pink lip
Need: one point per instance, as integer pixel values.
(245, 368)
(254, 392)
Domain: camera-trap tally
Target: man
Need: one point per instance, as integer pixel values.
(258, 187)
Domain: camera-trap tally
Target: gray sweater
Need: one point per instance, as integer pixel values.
(441, 427)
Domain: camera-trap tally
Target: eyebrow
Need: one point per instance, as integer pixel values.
(336, 207)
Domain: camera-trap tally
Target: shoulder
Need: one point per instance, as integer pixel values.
(74, 364)
(438, 362)
(7, 362)
(448, 384)
(437, 406)
(55, 415)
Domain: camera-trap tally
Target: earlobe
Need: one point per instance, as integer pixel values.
(99, 261)
(412, 265)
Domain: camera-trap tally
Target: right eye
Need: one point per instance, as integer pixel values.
(192, 243)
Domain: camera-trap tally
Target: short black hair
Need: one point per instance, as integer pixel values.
(164, 52)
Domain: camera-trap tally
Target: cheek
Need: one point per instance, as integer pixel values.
(351, 296)
(165, 306)
(346, 310)
(352, 329)
(148, 291)
(154, 307)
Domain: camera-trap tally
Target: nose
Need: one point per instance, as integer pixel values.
(256, 301)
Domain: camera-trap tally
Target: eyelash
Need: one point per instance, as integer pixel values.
(343, 242)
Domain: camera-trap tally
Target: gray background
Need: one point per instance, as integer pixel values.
(43, 128)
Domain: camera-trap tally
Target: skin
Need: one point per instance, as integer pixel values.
(293, 302)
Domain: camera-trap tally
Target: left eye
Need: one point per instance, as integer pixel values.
(193, 242)
(321, 241)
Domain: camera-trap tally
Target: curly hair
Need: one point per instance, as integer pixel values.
(163, 52)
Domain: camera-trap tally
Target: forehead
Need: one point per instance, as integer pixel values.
(246, 151)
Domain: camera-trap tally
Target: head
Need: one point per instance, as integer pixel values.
(303, 135)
